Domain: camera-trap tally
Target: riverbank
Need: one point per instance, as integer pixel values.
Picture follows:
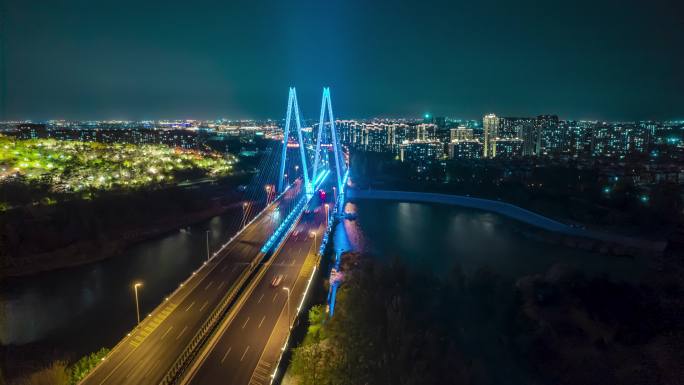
(76, 232)
(89, 251)
(553, 231)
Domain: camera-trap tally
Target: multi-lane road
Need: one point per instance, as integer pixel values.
(145, 356)
(236, 353)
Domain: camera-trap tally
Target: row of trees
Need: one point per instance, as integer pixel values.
(395, 326)
(564, 191)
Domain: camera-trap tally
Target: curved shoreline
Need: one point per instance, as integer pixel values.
(628, 245)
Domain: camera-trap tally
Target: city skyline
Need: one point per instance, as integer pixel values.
(582, 61)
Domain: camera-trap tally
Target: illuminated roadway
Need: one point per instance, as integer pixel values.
(146, 355)
(233, 356)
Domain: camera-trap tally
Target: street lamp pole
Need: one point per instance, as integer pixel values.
(208, 245)
(244, 214)
(287, 289)
(137, 306)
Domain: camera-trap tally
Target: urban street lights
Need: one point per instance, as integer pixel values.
(287, 289)
(137, 306)
(244, 214)
(268, 194)
(314, 237)
(326, 215)
(208, 244)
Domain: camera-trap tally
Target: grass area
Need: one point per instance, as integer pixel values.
(55, 168)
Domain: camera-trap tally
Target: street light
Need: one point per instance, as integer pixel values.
(314, 237)
(326, 215)
(268, 194)
(137, 306)
(288, 306)
(208, 244)
(244, 213)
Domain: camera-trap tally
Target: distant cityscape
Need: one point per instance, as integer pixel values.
(425, 142)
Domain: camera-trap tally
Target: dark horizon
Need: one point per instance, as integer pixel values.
(601, 60)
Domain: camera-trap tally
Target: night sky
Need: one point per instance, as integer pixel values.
(138, 59)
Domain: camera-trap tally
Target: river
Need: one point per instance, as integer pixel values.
(436, 238)
(71, 312)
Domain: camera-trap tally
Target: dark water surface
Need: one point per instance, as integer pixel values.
(78, 310)
(434, 238)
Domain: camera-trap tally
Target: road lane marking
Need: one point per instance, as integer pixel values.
(274, 297)
(243, 354)
(209, 285)
(193, 302)
(181, 333)
(226, 355)
(245, 324)
(224, 268)
(221, 285)
(260, 298)
(203, 306)
(165, 333)
(262, 321)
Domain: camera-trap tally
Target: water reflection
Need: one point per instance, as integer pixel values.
(81, 309)
(437, 237)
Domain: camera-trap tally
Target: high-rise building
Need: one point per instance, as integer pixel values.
(460, 133)
(552, 136)
(421, 152)
(465, 149)
(490, 127)
(507, 148)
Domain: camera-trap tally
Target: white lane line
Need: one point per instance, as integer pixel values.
(220, 285)
(293, 261)
(203, 306)
(274, 297)
(226, 355)
(260, 298)
(262, 321)
(181, 333)
(209, 285)
(245, 324)
(224, 268)
(243, 354)
(193, 302)
(234, 267)
(165, 333)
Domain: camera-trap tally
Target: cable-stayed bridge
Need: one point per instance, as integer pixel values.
(230, 320)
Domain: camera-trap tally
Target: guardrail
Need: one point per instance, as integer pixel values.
(213, 321)
(208, 326)
(185, 281)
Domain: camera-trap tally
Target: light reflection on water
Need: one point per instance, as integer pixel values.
(81, 309)
(436, 237)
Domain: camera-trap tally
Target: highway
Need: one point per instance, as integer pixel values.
(236, 354)
(145, 356)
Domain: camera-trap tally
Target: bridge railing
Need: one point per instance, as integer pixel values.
(191, 350)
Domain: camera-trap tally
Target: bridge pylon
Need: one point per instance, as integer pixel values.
(326, 104)
(292, 105)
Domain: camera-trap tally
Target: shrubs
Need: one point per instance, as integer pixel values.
(58, 373)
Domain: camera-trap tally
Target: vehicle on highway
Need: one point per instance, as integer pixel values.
(276, 280)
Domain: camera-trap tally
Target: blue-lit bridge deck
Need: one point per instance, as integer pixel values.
(147, 353)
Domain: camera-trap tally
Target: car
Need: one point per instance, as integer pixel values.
(276, 280)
